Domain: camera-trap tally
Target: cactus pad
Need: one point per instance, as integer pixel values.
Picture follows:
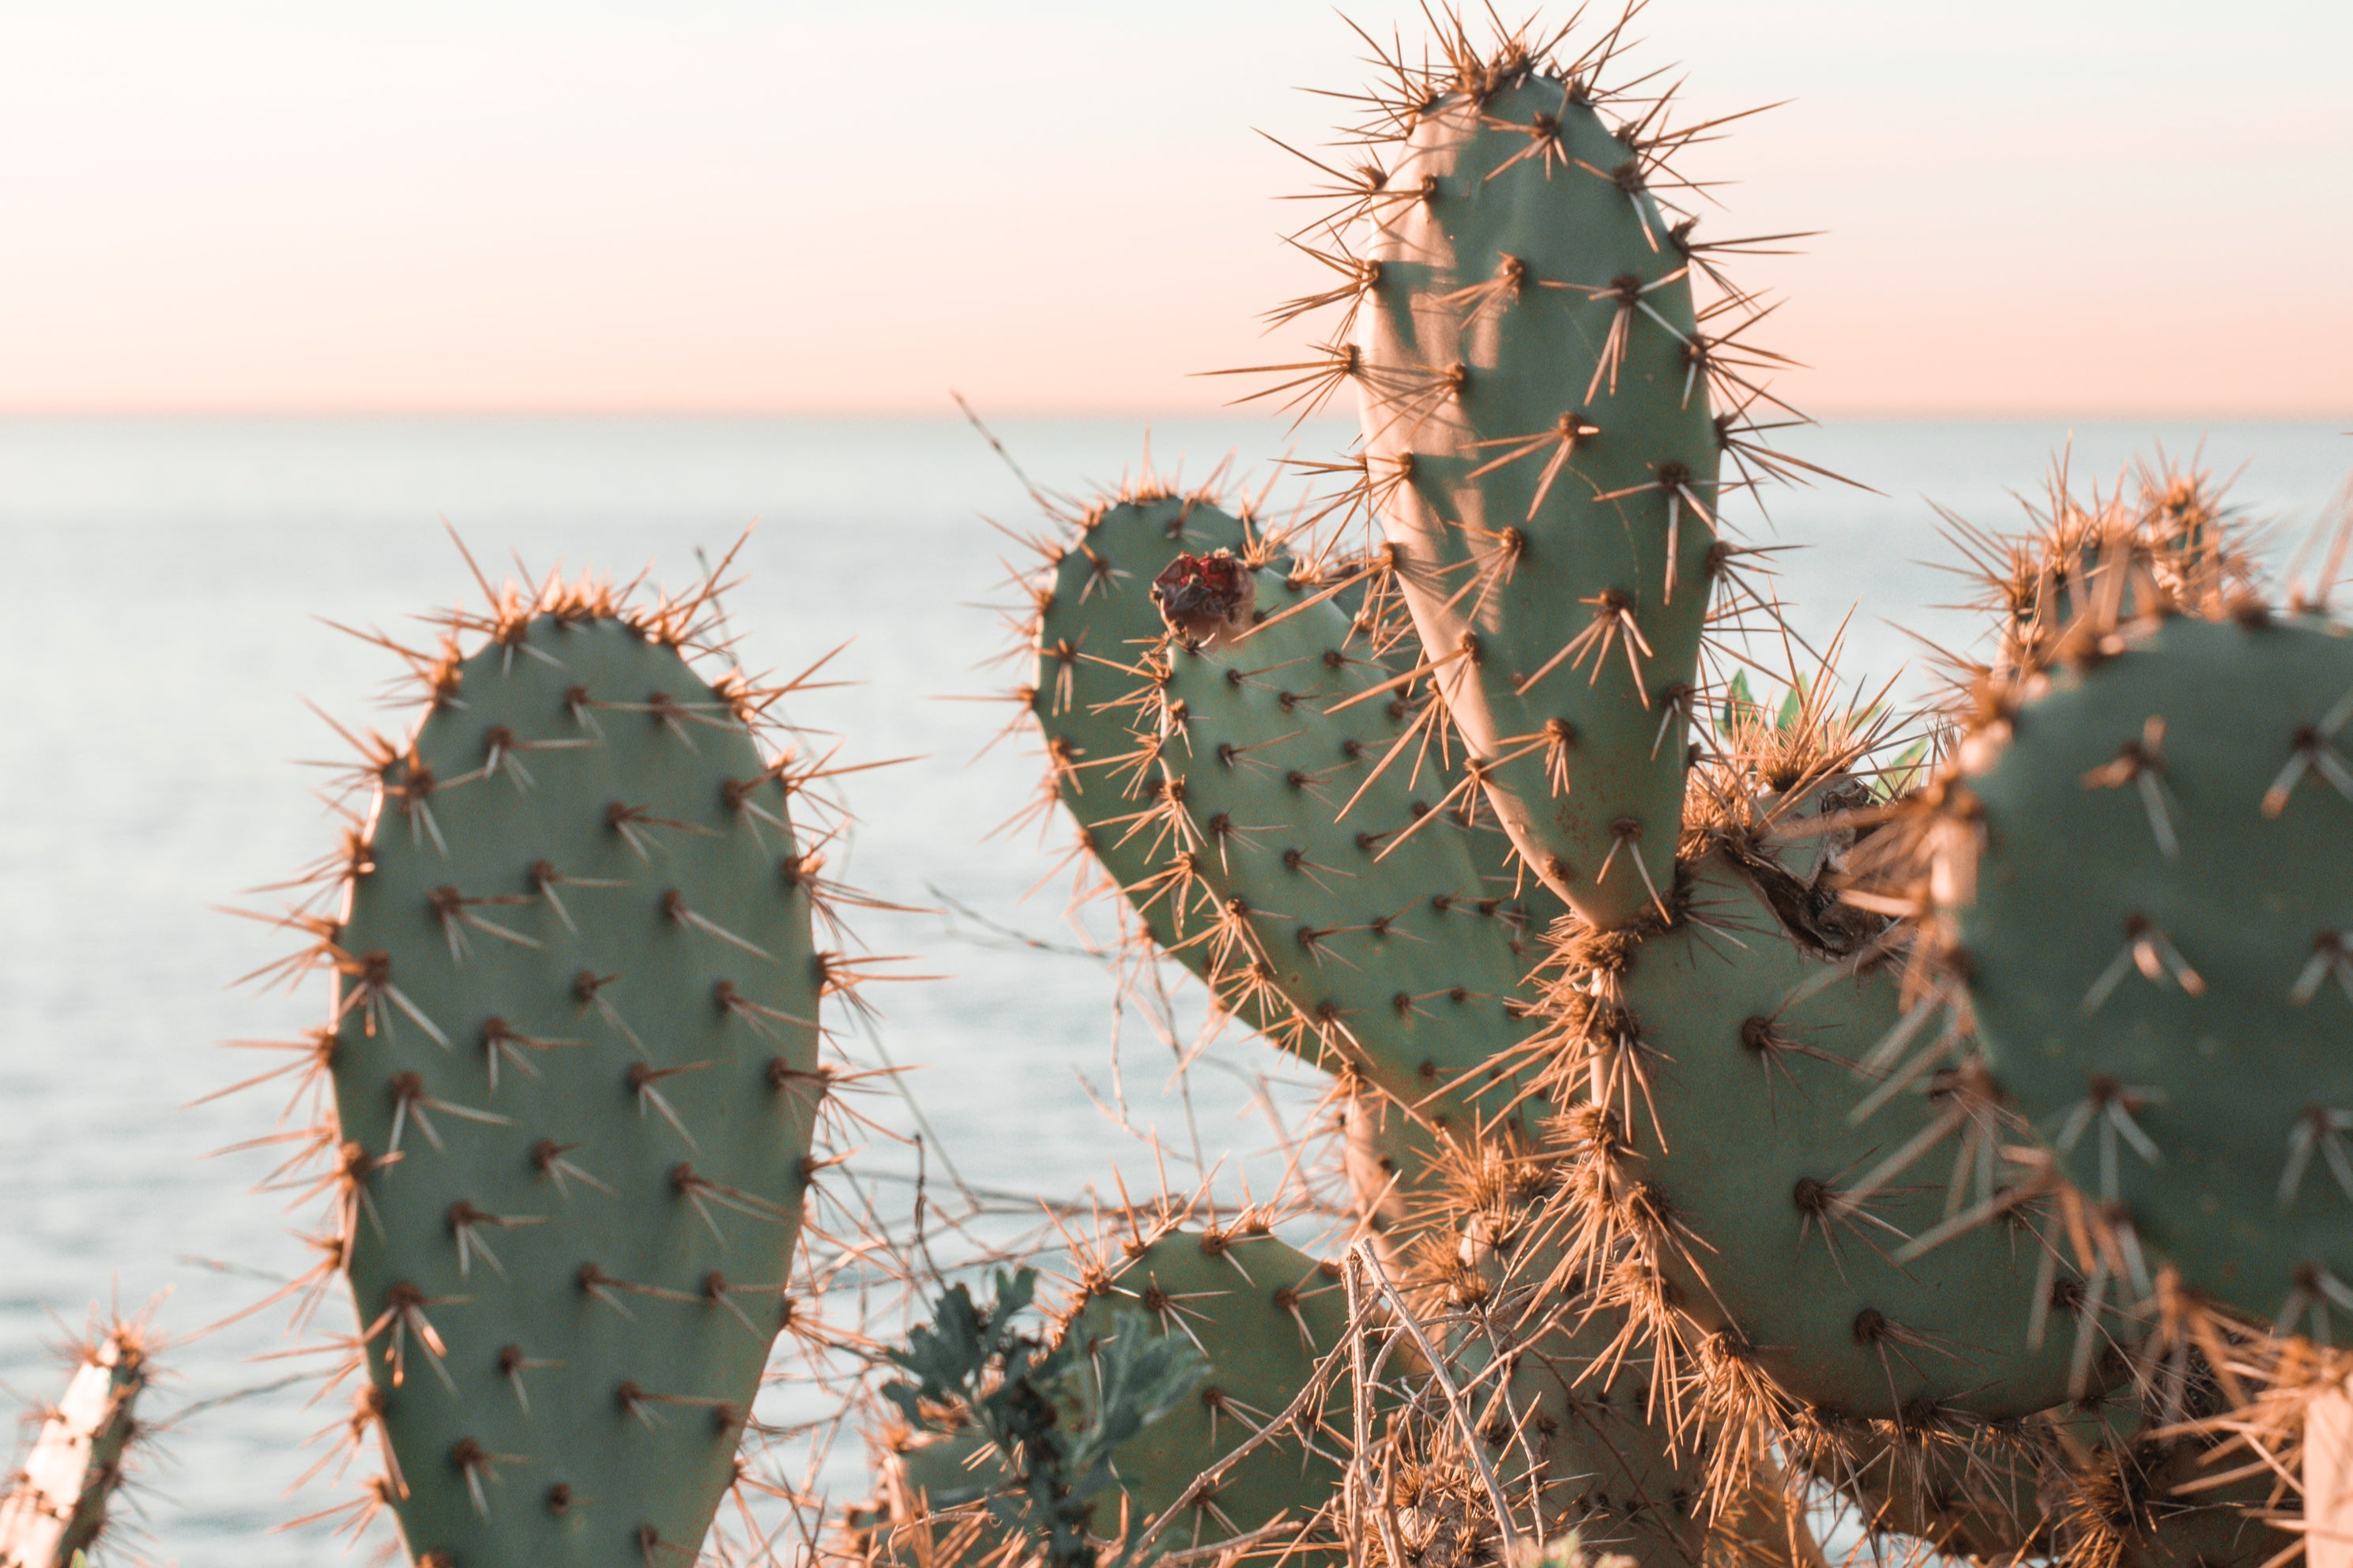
(2159, 944)
(1724, 1073)
(1349, 889)
(56, 1506)
(575, 1079)
(1095, 625)
(1538, 436)
(1264, 1315)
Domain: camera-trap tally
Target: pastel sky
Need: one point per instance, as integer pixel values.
(2085, 207)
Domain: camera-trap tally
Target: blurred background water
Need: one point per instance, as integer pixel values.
(165, 580)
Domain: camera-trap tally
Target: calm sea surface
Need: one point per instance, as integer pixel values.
(164, 580)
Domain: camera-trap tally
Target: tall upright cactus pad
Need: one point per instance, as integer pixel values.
(1532, 383)
(575, 1078)
(55, 1507)
(2150, 874)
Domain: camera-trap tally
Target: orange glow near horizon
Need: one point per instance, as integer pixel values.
(720, 215)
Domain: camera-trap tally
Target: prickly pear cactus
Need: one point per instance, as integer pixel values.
(56, 1505)
(1748, 1143)
(575, 1073)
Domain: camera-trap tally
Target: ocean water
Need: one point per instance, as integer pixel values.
(166, 583)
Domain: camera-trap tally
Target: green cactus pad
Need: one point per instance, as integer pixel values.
(2175, 1024)
(1744, 1138)
(575, 1072)
(1526, 364)
(1096, 626)
(1377, 925)
(1264, 1314)
(1603, 1459)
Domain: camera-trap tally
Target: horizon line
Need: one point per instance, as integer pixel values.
(1924, 415)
